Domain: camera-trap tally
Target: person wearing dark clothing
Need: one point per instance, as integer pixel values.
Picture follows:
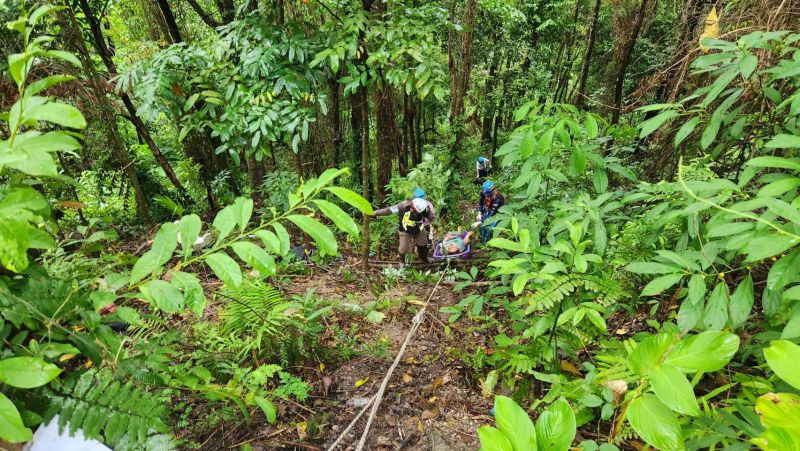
(482, 169)
(415, 218)
(490, 201)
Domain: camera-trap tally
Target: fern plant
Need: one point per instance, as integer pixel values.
(118, 413)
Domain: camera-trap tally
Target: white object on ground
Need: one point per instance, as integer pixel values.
(48, 438)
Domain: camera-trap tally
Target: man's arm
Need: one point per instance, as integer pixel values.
(393, 210)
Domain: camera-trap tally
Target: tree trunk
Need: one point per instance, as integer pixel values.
(409, 141)
(564, 69)
(105, 110)
(460, 67)
(336, 118)
(387, 141)
(691, 17)
(357, 125)
(489, 107)
(417, 131)
(580, 93)
(141, 129)
(625, 58)
(169, 18)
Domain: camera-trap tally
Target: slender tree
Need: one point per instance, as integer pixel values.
(580, 91)
(625, 58)
(460, 64)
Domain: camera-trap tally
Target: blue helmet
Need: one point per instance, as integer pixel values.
(488, 186)
(481, 160)
(419, 193)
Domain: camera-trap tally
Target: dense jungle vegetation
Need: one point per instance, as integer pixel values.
(189, 257)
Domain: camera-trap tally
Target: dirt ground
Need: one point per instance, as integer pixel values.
(432, 401)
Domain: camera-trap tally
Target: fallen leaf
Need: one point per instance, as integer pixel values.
(415, 302)
(66, 357)
(621, 331)
(411, 360)
(302, 430)
(407, 378)
(325, 386)
(361, 382)
(567, 366)
(432, 399)
(321, 367)
(430, 414)
(420, 427)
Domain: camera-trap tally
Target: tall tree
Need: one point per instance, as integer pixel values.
(460, 64)
(580, 91)
(104, 109)
(624, 58)
(106, 56)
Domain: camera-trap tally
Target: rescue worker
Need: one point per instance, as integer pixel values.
(490, 201)
(415, 218)
(482, 169)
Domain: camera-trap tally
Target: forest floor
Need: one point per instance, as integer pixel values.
(432, 402)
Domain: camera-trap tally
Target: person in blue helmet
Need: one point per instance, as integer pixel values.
(415, 219)
(482, 169)
(490, 201)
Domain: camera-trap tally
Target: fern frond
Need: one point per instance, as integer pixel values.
(254, 307)
(105, 409)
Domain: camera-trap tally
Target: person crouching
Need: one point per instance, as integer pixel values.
(415, 218)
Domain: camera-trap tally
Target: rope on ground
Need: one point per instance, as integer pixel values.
(375, 401)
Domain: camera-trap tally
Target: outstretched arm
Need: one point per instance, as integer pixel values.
(394, 209)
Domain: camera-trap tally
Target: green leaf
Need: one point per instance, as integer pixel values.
(678, 259)
(493, 440)
(351, 198)
(655, 423)
(321, 234)
(283, 236)
(689, 315)
(268, 408)
(242, 210)
(225, 221)
(188, 231)
(225, 268)
(741, 303)
(527, 144)
(656, 286)
(707, 352)
(600, 180)
(783, 141)
(342, 220)
(27, 372)
(775, 162)
(674, 390)
(710, 132)
(716, 313)
(514, 423)
(747, 65)
(778, 187)
(784, 271)
(12, 429)
(255, 257)
(555, 428)
(46, 82)
(164, 244)
(519, 283)
(649, 126)
(271, 242)
(164, 295)
(58, 113)
(649, 352)
(591, 126)
(578, 161)
(193, 295)
(686, 129)
(651, 268)
(783, 357)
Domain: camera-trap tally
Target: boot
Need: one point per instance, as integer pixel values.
(422, 251)
(402, 261)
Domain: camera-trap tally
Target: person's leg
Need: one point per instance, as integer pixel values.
(405, 243)
(421, 240)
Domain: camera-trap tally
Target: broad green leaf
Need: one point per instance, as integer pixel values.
(651, 268)
(164, 295)
(506, 244)
(783, 357)
(188, 231)
(678, 259)
(164, 244)
(649, 352)
(58, 113)
(775, 162)
(519, 283)
(707, 352)
(242, 210)
(271, 242)
(689, 315)
(778, 187)
(255, 257)
(555, 428)
(741, 303)
(578, 161)
(321, 234)
(514, 423)
(193, 295)
(655, 423)
(493, 440)
(710, 132)
(600, 180)
(226, 269)
(792, 328)
(342, 220)
(12, 429)
(351, 198)
(27, 372)
(656, 286)
(715, 315)
(283, 236)
(591, 126)
(747, 65)
(781, 410)
(674, 390)
(268, 408)
(697, 289)
(527, 144)
(686, 129)
(784, 271)
(46, 82)
(649, 126)
(783, 141)
(768, 245)
(225, 221)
